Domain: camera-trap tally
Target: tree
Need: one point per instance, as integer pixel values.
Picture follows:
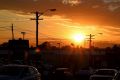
(45, 45)
(4, 45)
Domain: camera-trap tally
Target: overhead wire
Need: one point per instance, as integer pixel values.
(31, 32)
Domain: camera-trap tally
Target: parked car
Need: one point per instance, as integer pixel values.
(82, 74)
(104, 74)
(63, 74)
(19, 72)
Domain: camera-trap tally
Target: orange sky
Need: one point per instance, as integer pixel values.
(72, 17)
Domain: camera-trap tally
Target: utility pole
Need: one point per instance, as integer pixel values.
(90, 40)
(38, 14)
(23, 34)
(90, 49)
(37, 18)
(12, 32)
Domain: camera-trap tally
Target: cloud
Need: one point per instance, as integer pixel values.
(72, 2)
(113, 7)
(57, 26)
(89, 12)
(111, 1)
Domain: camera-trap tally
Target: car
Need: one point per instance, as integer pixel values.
(63, 74)
(83, 74)
(104, 74)
(19, 72)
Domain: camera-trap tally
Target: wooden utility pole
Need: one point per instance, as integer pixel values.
(37, 18)
(38, 14)
(90, 49)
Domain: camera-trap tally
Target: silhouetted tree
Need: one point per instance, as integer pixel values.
(67, 47)
(4, 45)
(45, 45)
(113, 56)
(116, 49)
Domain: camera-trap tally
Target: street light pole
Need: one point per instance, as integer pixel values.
(37, 17)
(38, 14)
(23, 34)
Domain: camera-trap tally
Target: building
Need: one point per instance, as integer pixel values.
(18, 49)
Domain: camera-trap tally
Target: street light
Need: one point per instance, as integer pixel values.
(23, 34)
(38, 14)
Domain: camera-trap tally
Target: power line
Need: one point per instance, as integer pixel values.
(2, 30)
(31, 32)
(5, 28)
(28, 31)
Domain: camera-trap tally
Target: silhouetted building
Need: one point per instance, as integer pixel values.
(18, 49)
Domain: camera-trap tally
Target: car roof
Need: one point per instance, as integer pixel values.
(62, 68)
(15, 65)
(108, 70)
(101, 76)
(104, 73)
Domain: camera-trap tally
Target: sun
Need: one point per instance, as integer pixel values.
(78, 38)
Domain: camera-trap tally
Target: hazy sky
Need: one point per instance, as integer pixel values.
(72, 17)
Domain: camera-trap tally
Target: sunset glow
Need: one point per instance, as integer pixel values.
(78, 38)
(55, 35)
(71, 19)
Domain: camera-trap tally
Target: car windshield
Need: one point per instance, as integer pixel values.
(11, 71)
(105, 72)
